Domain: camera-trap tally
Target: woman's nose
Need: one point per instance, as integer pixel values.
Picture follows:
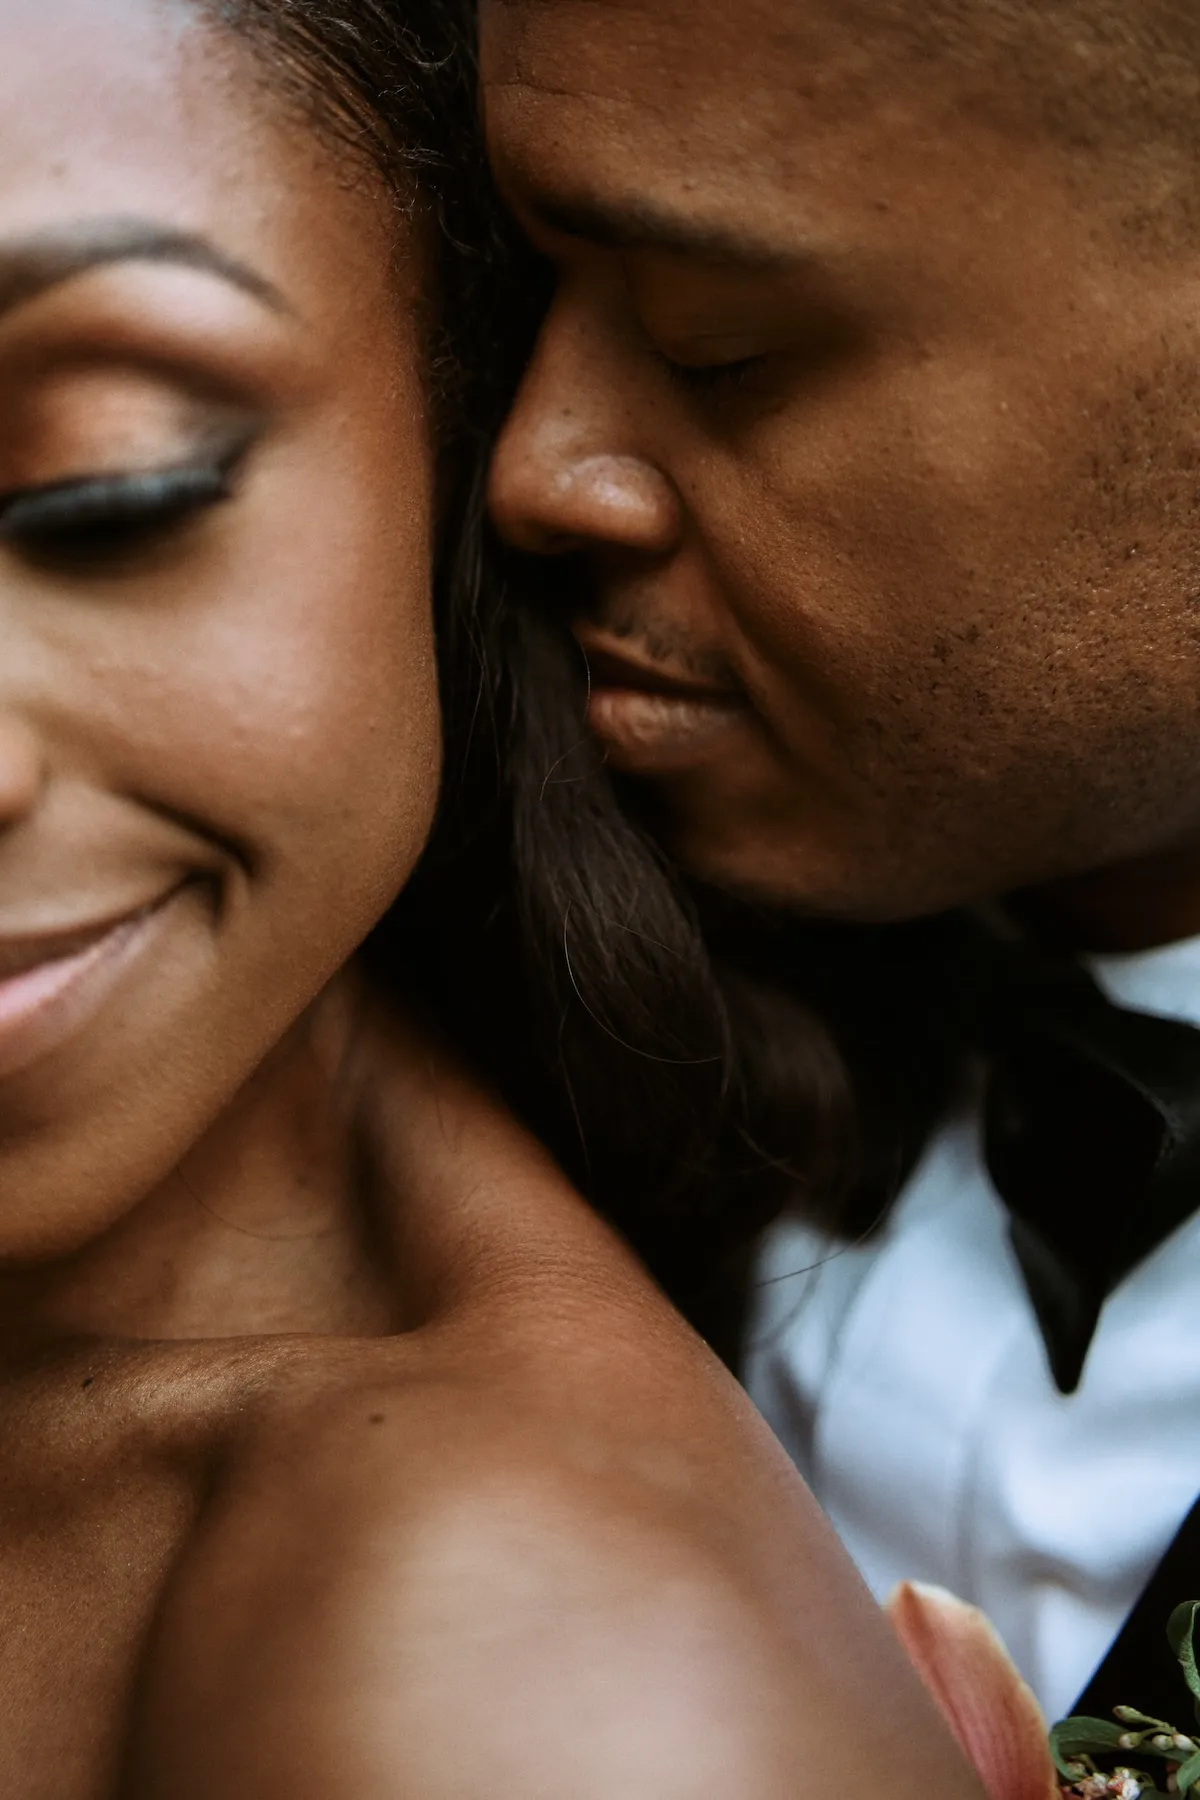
(22, 770)
(556, 486)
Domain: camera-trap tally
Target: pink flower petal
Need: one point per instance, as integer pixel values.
(983, 1699)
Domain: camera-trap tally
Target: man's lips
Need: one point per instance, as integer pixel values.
(654, 719)
(614, 664)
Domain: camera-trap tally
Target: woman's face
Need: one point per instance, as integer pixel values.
(219, 739)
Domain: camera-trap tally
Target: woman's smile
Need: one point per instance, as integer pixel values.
(52, 987)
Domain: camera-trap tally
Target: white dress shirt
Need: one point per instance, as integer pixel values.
(907, 1378)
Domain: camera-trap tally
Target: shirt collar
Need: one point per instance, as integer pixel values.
(1164, 981)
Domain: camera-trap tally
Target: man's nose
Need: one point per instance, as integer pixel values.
(565, 474)
(22, 770)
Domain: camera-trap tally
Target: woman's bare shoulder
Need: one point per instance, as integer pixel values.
(415, 1581)
(405, 1588)
(538, 1546)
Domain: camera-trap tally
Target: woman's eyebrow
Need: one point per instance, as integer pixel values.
(32, 265)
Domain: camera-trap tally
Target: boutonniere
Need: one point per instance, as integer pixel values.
(1000, 1727)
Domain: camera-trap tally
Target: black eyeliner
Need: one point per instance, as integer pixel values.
(98, 502)
(110, 500)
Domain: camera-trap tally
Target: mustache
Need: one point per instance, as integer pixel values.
(654, 646)
(628, 667)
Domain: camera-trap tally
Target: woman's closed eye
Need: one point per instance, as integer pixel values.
(101, 519)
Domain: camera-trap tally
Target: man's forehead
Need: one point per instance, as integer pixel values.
(558, 44)
(1110, 86)
(728, 116)
(586, 145)
(745, 87)
(676, 78)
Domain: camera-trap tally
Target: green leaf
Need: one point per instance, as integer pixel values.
(1188, 1774)
(1081, 1736)
(1181, 1630)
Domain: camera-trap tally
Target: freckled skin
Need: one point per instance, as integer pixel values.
(943, 535)
(346, 1454)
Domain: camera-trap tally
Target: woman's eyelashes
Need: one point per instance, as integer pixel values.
(101, 519)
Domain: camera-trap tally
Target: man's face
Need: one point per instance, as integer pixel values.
(879, 437)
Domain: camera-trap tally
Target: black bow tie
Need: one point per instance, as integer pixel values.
(1091, 1135)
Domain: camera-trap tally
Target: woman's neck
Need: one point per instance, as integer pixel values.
(263, 1228)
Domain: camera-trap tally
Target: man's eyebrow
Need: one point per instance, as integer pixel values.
(639, 225)
(30, 266)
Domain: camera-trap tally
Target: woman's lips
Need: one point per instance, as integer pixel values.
(51, 988)
(651, 719)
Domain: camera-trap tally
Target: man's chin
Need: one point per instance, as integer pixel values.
(809, 885)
